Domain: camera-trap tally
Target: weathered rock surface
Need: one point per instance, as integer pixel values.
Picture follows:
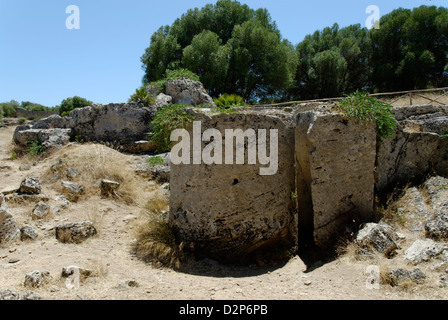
(399, 276)
(414, 211)
(30, 185)
(28, 233)
(72, 191)
(50, 138)
(380, 237)
(8, 226)
(415, 149)
(37, 278)
(335, 162)
(423, 250)
(230, 211)
(120, 123)
(7, 294)
(40, 211)
(186, 91)
(75, 232)
(163, 100)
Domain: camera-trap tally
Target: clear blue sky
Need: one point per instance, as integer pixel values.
(44, 62)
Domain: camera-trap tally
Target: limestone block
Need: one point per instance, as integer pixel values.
(335, 163)
(228, 211)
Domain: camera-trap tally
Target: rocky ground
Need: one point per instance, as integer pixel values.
(114, 273)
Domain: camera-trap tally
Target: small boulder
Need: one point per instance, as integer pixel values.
(423, 250)
(8, 294)
(72, 191)
(8, 226)
(30, 296)
(36, 279)
(380, 237)
(28, 233)
(30, 185)
(397, 277)
(61, 204)
(75, 232)
(437, 227)
(40, 211)
(163, 100)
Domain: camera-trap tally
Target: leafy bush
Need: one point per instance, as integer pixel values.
(69, 104)
(22, 120)
(365, 108)
(229, 100)
(181, 73)
(142, 96)
(154, 161)
(8, 110)
(1, 114)
(166, 120)
(35, 148)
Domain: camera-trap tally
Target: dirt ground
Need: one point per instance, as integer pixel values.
(109, 255)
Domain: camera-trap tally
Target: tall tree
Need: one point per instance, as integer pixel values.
(410, 50)
(209, 59)
(260, 62)
(332, 62)
(215, 40)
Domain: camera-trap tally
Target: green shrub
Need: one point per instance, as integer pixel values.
(174, 74)
(8, 110)
(154, 161)
(35, 148)
(69, 104)
(1, 114)
(181, 73)
(142, 96)
(22, 120)
(365, 108)
(229, 100)
(166, 120)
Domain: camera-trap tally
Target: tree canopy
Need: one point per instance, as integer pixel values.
(410, 50)
(70, 104)
(236, 49)
(229, 45)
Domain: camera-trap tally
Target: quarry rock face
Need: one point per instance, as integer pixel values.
(416, 149)
(229, 211)
(335, 162)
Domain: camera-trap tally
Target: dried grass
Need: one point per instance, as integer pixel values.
(96, 162)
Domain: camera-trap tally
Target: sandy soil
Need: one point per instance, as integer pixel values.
(109, 253)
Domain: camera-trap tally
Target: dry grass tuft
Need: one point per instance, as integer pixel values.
(94, 163)
(156, 241)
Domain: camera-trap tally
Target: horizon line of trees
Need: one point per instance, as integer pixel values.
(235, 49)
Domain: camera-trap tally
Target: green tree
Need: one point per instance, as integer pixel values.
(163, 53)
(260, 63)
(31, 106)
(209, 58)
(8, 109)
(410, 49)
(211, 42)
(69, 104)
(332, 62)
